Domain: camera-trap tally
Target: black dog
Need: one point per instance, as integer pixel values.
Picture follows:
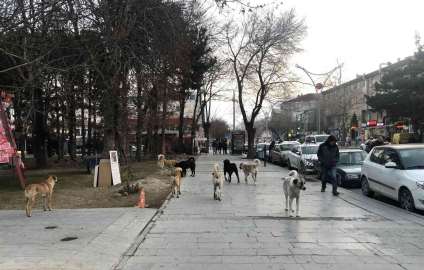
(230, 168)
(187, 164)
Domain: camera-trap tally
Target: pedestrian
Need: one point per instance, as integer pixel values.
(219, 146)
(350, 140)
(371, 145)
(271, 146)
(225, 146)
(328, 156)
(214, 147)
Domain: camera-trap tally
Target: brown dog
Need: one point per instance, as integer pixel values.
(176, 181)
(162, 162)
(44, 189)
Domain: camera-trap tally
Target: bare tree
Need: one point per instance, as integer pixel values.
(259, 49)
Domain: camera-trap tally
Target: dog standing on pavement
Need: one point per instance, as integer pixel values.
(44, 189)
(217, 183)
(293, 185)
(162, 162)
(230, 168)
(250, 169)
(176, 181)
(187, 164)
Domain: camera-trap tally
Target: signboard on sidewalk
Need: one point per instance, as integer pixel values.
(114, 165)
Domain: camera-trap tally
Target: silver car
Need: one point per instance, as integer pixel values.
(303, 157)
(280, 153)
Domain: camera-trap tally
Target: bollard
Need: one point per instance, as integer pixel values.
(265, 155)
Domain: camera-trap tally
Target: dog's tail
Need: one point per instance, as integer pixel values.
(216, 169)
(177, 170)
(192, 159)
(257, 162)
(160, 157)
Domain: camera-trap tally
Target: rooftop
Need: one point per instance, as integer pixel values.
(303, 98)
(407, 146)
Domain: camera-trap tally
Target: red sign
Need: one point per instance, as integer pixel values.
(4, 160)
(353, 128)
(399, 126)
(318, 86)
(9, 150)
(5, 145)
(372, 123)
(1, 129)
(3, 139)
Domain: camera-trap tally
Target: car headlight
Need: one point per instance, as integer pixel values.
(352, 176)
(420, 185)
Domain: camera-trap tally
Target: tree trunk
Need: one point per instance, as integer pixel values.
(90, 130)
(71, 124)
(251, 131)
(83, 125)
(140, 118)
(109, 130)
(164, 124)
(206, 127)
(40, 151)
(181, 147)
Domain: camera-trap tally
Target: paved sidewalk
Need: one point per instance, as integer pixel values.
(249, 229)
(39, 242)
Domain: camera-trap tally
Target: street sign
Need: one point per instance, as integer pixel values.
(318, 86)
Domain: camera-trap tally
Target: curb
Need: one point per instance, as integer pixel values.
(141, 236)
(370, 199)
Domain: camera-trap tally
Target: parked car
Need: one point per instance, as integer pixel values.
(348, 167)
(316, 139)
(260, 150)
(134, 149)
(396, 171)
(365, 143)
(280, 153)
(303, 157)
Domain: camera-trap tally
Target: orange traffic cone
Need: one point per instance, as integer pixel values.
(142, 202)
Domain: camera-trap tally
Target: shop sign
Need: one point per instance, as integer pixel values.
(372, 123)
(380, 124)
(400, 126)
(363, 124)
(353, 128)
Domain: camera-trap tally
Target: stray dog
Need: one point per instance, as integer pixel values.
(169, 163)
(217, 183)
(176, 181)
(44, 189)
(187, 164)
(230, 168)
(250, 168)
(293, 185)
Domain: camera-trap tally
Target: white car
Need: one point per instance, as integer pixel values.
(396, 171)
(316, 139)
(303, 157)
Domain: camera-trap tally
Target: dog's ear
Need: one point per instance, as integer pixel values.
(295, 181)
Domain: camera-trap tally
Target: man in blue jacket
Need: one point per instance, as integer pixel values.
(328, 156)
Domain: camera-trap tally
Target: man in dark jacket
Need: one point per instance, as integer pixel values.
(328, 156)
(378, 142)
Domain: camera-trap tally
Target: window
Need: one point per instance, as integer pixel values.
(412, 158)
(376, 156)
(308, 139)
(286, 147)
(322, 138)
(309, 150)
(192, 97)
(390, 156)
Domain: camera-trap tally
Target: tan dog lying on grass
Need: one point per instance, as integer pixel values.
(162, 162)
(44, 189)
(176, 181)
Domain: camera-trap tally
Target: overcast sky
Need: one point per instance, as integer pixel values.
(361, 33)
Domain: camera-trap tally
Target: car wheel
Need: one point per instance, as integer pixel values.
(406, 200)
(271, 160)
(339, 181)
(281, 162)
(289, 164)
(366, 188)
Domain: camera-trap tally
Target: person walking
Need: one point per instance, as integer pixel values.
(328, 156)
(219, 146)
(375, 143)
(214, 147)
(224, 144)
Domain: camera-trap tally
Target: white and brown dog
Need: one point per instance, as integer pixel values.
(217, 182)
(44, 189)
(293, 185)
(169, 163)
(176, 181)
(250, 169)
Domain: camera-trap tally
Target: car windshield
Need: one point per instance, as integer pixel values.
(287, 147)
(352, 158)
(309, 150)
(321, 138)
(413, 158)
